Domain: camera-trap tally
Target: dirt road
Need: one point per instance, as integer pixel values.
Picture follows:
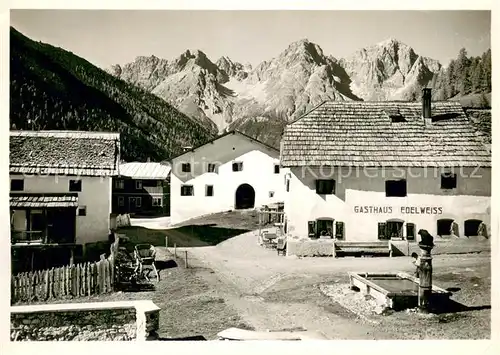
(271, 292)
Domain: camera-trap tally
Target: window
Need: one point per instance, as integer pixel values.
(288, 186)
(325, 187)
(16, 185)
(324, 228)
(121, 201)
(339, 230)
(75, 185)
(320, 228)
(211, 168)
(209, 190)
(138, 201)
(410, 231)
(395, 188)
(237, 166)
(448, 181)
(119, 184)
(186, 167)
(187, 190)
(276, 168)
(394, 229)
(82, 211)
(138, 184)
(271, 193)
(157, 201)
(445, 227)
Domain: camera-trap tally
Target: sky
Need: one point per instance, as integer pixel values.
(107, 37)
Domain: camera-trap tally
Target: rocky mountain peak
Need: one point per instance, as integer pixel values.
(304, 50)
(232, 69)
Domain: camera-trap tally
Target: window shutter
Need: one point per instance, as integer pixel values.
(382, 232)
(482, 230)
(311, 228)
(339, 230)
(410, 231)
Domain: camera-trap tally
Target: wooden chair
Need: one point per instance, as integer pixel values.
(146, 254)
(281, 246)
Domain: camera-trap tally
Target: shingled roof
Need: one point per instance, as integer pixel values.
(362, 134)
(153, 171)
(64, 152)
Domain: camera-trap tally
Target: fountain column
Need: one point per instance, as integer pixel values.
(425, 284)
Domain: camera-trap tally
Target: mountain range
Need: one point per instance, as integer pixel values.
(160, 106)
(230, 94)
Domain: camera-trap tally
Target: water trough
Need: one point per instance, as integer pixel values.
(394, 290)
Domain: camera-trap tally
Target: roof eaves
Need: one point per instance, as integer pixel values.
(212, 141)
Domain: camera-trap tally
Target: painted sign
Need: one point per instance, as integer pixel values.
(401, 209)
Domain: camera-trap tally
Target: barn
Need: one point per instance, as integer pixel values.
(371, 171)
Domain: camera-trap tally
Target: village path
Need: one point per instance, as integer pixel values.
(275, 292)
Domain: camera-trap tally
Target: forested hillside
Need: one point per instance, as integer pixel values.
(54, 89)
(465, 76)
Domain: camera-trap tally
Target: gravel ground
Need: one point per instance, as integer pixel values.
(287, 292)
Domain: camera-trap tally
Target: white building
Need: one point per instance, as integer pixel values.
(60, 186)
(368, 171)
(233, 171)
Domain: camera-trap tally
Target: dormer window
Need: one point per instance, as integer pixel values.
(395, 115)
(444, 116)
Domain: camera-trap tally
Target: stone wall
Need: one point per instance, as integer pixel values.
(324, 247)
(309, 247)
(105, 321)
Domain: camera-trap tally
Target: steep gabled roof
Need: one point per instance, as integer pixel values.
(222, 136)
(64, 152)
(339, 133)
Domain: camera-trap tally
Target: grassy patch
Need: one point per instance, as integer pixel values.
(189, 306)
(199, 232)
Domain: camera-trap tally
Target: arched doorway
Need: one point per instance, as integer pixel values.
(245, 197)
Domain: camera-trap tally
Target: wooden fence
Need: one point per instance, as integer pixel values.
(64, 282)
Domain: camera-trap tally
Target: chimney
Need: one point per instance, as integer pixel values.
(426, 103)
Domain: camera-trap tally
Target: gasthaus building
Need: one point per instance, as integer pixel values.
(371, 171)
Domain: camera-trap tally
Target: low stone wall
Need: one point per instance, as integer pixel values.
(309, 247)
(128, 320)
(324, 247)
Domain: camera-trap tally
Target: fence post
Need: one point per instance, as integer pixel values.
(185, 259)
(166, 241)
(175, 250)
(87, 272)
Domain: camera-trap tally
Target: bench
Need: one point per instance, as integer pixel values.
(379, 248)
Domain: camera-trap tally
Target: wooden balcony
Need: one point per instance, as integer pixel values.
(28, 237)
